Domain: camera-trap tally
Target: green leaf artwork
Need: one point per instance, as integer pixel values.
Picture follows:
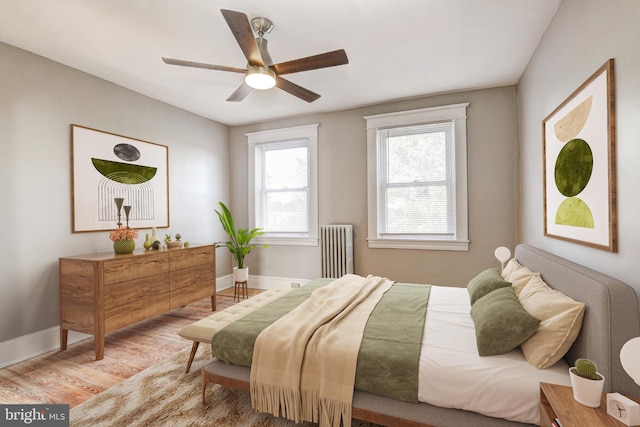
(124, 173)
(573, 169)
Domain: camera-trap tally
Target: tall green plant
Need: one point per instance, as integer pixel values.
(240, 243)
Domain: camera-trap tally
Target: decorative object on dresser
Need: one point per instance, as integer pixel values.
(123, 240)
(148, 244)
(154, 235)
(587, 383)
(171, 244)
(102, 292)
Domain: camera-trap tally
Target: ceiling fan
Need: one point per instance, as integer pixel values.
(261, 72)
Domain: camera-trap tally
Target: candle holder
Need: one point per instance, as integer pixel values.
(119, 201)
(127, 209)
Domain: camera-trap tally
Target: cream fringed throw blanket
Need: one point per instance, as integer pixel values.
(304, 364)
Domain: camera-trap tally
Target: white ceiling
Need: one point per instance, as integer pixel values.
(396, 48)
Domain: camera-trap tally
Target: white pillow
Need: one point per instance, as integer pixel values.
(560, 323)
(518, 275)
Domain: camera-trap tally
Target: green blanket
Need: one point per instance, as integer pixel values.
(390, 350)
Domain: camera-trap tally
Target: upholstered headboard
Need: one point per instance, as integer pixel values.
(612, 316)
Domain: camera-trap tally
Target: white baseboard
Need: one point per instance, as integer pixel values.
(34, 344)
(260, 282)
(31, 345)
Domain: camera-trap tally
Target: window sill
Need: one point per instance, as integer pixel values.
(435, 245)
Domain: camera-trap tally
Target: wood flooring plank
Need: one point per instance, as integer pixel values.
(73, 376)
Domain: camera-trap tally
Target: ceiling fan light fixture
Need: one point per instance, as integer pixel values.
(260, 78)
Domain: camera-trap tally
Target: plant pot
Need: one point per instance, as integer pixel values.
(124, 246)
(586, 391)
(240, 274)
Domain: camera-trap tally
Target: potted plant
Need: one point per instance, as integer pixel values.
(587, 383)
(123, 239)
(240, 243)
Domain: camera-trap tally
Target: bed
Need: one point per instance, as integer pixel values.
(611, 317)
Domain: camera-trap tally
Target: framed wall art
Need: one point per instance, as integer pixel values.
(106, 166)
(579, 170)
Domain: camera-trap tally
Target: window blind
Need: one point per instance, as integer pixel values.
(416, 181)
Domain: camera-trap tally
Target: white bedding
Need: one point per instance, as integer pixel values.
(453, 375)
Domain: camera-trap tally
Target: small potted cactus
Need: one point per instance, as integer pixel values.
(587, 383)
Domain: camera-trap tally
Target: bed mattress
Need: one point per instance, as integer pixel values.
(453, 375)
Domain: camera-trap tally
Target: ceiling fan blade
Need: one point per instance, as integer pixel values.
(240, 93)
(322, 60)
(264, 53)
(172, 61)
(295, 90)
(241, 29)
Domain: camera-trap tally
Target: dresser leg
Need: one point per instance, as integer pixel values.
(99, 347)
(64, 334)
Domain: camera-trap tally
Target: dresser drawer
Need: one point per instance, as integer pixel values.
(128, 314)
(193, 292)
(191, 257)
(121, 270)
(203, 275)
(135, 290)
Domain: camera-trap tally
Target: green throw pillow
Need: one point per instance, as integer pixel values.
(485, 283)
(502, 324)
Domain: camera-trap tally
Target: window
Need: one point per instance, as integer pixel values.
(417, 179)
(283, 196)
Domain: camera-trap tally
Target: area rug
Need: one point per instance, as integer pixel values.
(163, 395)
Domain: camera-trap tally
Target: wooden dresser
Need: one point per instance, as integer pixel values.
(103, 292)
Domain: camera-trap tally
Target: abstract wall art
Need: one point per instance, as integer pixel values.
(108, 166)
(579, 164)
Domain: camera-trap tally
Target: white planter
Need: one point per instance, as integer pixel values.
(240, 274)
(585, 391)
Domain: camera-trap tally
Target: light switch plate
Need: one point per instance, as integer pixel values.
(623, 409)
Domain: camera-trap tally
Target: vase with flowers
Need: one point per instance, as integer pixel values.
(123, 239)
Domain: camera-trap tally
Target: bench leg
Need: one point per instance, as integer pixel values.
(204, 388)
(194, 348)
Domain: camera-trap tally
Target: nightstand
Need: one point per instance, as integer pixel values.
(556, 401)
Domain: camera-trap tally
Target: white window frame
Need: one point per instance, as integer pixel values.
(456, 113)
(276, 136)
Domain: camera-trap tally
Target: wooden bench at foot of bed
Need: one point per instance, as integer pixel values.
(204, 329)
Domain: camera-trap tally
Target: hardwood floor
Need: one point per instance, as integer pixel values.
(73, 376)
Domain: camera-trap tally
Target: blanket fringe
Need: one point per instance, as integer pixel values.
(310, 405)
(276, 400)
(332, 411)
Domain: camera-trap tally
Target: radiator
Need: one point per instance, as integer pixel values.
(336, 243)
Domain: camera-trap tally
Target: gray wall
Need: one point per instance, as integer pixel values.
(492, 158)
(583, 35)
(39, 99)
